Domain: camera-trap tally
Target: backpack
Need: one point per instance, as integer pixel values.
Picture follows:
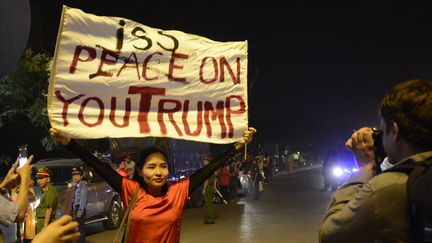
(419, 196)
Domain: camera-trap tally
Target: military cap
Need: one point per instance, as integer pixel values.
(77, 170)
(43, 172)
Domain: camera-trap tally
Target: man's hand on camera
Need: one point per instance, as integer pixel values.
(361, 143)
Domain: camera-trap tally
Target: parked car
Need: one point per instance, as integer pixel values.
(103, 203)
(338, 164)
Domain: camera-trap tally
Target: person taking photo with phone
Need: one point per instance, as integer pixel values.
(14, 212)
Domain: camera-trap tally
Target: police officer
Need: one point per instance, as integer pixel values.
(79, 201)
(45, 212)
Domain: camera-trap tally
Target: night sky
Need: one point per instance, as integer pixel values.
(316, 71)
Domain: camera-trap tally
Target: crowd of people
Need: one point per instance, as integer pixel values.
(18, 221)
(223, 185)
(238, 178)
(235, 178)
(370, 207)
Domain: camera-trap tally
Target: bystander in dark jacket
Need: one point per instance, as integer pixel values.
(373, 208)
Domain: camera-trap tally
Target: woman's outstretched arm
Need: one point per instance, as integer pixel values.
(103, 169)
(197, 178)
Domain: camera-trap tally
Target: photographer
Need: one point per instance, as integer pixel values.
(373, 208)
(14, 212)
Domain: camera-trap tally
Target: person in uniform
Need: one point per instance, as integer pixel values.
(209, 189)
(79, 201)
(45, 212)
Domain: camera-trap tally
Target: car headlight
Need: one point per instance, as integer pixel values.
(337, 171)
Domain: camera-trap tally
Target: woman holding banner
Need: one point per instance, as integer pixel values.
(157, 206)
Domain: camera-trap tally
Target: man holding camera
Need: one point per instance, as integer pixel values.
(373, 208)
(14, 212)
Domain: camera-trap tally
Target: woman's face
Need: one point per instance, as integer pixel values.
(155, 170)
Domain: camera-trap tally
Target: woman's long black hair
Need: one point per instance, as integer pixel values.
(139, 164)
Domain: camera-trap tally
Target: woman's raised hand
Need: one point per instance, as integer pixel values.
(247, 138)
(56, 136)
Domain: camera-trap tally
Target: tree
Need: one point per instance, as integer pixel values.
(23, 93)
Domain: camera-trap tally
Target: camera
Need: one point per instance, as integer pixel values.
(378, 147)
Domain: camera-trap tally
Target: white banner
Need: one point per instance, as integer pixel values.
(113, 77)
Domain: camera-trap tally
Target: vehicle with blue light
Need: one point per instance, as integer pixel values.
(338, 164)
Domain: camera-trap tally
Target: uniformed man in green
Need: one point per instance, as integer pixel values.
(209, 189)
(45, 212)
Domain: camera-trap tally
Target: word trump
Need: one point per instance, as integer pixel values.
(113, 77)
(208, 112)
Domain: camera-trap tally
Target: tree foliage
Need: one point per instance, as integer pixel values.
(23, 92)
